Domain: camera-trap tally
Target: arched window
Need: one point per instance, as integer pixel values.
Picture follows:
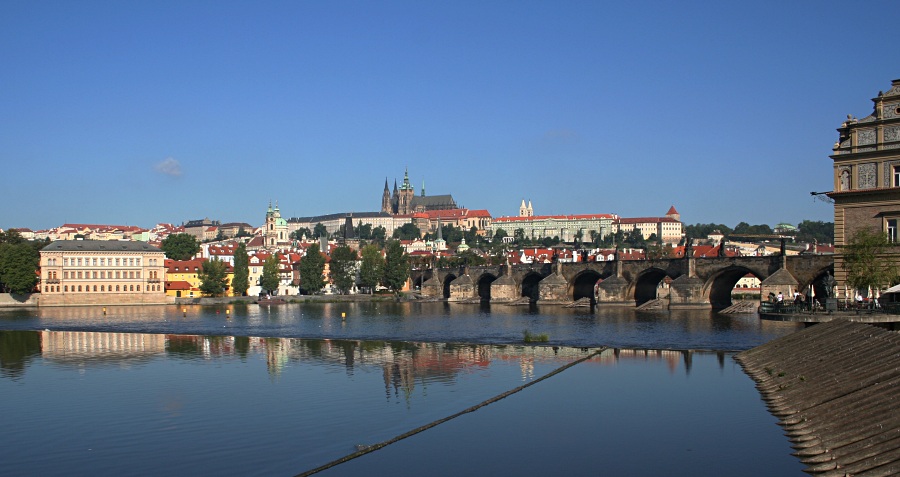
(132, 288)
(66, 288)
(95, 287)
(57, 288)
(79, 287)
(117, 287)
(138, 288)
(102, 288)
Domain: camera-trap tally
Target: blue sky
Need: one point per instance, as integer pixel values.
(144, 112)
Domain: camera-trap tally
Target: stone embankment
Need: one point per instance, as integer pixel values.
(835, 387)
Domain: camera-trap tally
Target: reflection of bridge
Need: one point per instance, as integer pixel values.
(695, 282)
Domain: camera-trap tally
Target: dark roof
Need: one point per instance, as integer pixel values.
(434, 201)
(356, 215)
(99, 246)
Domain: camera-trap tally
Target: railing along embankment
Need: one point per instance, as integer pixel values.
(834, 386)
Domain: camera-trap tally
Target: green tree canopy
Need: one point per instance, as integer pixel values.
(702, 230)
(300, 233)
(499, 236)
(816, 231)
(396, 266)
(407, 231)
(320, 231)
(241, 281)
(270, 274)
(364, 231)
(180, 246)
(866, 263)
(744, 228)
(213, 277)
(19, 262)
(379, 235)
(343, 268)
(312, 269)
(372, 267)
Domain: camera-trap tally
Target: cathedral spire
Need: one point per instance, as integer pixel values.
(423, 187)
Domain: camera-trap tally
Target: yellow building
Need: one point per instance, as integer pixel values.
(92, 272)
(183, 278)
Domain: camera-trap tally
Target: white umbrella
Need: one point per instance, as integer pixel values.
(893, 289)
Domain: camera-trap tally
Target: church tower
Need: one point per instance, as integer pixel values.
(276, 227)
(386, 198)
(523, 211)
(407, 192)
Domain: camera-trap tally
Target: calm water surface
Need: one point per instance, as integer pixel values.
(281, 390)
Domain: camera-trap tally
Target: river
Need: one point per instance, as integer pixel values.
(250, 390)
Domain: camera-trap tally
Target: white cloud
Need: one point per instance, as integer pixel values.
(169, 167)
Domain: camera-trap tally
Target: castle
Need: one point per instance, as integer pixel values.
(404, 201)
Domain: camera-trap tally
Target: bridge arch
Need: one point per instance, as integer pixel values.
(530, 287)
(646, 285)
(447, 279)
(720, 285)
(484, 285)
(584, 286)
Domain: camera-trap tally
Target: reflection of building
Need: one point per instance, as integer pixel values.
(867, 174)
(81, 346)
(92, 272)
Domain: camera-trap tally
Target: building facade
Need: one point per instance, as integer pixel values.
(92, 272)
(866, 162)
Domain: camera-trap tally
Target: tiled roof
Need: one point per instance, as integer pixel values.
(99, 246)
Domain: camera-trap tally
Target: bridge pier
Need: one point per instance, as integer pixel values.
(463, 289)
(432, 287)
(686, 293)
(504, 290)
(613, 292)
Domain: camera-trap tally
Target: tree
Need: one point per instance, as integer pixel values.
(180, 246)
(408, 231)
(241, 232)
(312, 269)
(320, 231)
(396, 266)
(269, 280)
(343, 268)
(816, 231)
(364, 231)
(12, 237)
(19, 262)
(379, 234)
(372, 267)
(300, 233)
(865, 261)
(213, 277)
(499, 236)
(241, 281)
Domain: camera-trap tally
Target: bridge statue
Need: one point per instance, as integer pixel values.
(828, 283)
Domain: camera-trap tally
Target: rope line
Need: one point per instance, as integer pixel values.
(417, 430)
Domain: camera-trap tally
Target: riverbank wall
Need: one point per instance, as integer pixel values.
(9, 300)
(834, 386)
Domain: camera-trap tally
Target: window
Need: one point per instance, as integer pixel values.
(892, 230)
(896, 176)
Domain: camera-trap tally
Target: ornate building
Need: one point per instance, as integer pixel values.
(404, 201)
(867, 174)
(276, 227)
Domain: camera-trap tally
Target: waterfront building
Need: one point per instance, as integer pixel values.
(94, 272)
(183, 278)
(866, 172)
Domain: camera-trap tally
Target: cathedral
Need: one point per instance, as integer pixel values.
(404, 201)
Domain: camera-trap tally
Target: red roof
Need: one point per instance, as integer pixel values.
(559, 217)
(178, 285)
(672, 211)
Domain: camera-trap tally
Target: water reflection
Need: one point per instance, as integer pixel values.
(402, 363)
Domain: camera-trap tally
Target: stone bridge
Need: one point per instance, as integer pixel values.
(695, 282)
